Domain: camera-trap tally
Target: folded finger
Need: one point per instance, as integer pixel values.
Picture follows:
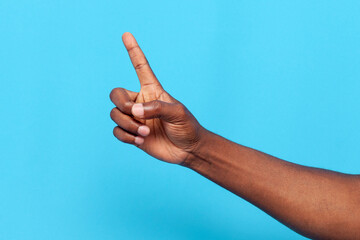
(123, 99)
(128, 123)
(126, 137)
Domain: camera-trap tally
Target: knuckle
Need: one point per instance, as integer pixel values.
(120, 135)
(157, 106)
(113, 113)
(181, 110)
(127, 106)
(116, 92)
(141, 65)
(121, 99)
(113, 93)
(115, 131)
(134, 51)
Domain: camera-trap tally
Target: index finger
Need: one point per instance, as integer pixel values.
(139, 61)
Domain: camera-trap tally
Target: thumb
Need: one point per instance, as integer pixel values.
(169, 112)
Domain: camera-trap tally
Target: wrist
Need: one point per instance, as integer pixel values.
(193, 159)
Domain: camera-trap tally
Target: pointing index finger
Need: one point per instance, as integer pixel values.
(139, 61)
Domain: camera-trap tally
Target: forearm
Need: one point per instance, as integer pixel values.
(314, 202)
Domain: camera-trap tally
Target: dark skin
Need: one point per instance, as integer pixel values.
(317, 203)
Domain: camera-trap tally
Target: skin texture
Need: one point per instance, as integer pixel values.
(316, 203)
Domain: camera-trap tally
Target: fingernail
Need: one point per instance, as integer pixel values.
(138, 110)
(139, 140)
(143, 130)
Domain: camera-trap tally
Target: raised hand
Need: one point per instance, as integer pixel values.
(151, 119)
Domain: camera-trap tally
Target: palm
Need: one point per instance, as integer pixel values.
(162, 142)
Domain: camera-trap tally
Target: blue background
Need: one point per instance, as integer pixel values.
(278, 76)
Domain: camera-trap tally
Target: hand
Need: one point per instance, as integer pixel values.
(151, 119)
